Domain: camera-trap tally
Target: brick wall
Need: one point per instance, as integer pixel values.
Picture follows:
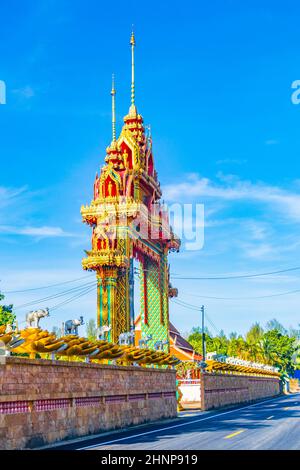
(45, 401)
(219, 390)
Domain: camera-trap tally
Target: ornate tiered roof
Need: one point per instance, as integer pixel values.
(129, 221)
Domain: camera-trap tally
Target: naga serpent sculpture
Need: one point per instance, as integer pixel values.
(33, 341)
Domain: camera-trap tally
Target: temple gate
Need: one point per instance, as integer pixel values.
(129, 222)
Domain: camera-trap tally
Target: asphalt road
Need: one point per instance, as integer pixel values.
(271, 424)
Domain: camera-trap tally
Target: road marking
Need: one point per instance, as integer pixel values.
(270, 417)
(188, 415)
(177, 425)
(234, 434)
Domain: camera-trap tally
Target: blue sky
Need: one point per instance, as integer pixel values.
(214, 81)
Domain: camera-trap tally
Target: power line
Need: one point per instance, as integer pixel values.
(54, 296)
(280, 294)
(295, 291)
(186, 305)
(67, 301)
(71, 299)
(244, 298)
(213, 325)
(237, 276)
(197, 309)
(173, 275)
(47, 287)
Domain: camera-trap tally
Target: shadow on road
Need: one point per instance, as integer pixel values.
(208, 431)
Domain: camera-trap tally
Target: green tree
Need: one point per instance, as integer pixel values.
(220, 344)
(254, 343)
(6, 313)
(91, 329)
(279, 350)
(255, 334)
(294, 332)
(275, 346)
(237, 347)
(233, 335)
(275, 325)
(195, 339)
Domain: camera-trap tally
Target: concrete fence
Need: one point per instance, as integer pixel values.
(218, 390)
(225, 389)
(46, 401)
(42, 401)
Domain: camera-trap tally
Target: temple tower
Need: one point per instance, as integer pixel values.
(129, 222)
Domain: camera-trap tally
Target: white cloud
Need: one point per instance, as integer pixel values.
(9, 195)
(44, 231)
(262, 251)
(17, 206)
(230, 188)
(258, 230)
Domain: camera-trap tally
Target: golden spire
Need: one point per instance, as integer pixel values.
(113, 109)
(132, 107)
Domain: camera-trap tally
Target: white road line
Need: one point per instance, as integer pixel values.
(177, 425)
(188, 415)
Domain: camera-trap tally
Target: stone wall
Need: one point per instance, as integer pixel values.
(219, 390)
(45, 401)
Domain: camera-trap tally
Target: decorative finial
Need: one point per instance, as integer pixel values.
(132, 43)
(148, 128)
(113, 105)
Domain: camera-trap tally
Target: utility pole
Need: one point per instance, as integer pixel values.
(203, 336)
